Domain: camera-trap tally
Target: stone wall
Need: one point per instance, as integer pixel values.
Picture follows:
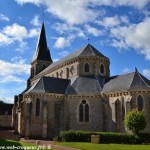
(95, 114)
(5, 120)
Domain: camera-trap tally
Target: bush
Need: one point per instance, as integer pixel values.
(105, 137)
(135, 121)
(76, 136)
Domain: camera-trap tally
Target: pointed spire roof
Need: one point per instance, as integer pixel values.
(42, 51)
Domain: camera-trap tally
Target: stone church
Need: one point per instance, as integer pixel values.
(77, 93)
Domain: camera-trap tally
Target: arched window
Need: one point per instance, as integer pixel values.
(86, 67)
(32, 72)
(67, 73)
(140, 103)
(37, 107)
(101, 68)
(44, 66)
(37, 69)
(57, 75)
(84, 111)
(81, 113)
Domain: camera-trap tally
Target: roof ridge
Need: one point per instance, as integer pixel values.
(131, 81)
(82, 49)
(91, 48)
(43, 83)
(142, 78)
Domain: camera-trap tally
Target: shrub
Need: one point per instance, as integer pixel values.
(76, 136)
(135, 121)
(105, 137)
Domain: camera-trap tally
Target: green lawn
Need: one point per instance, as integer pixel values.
(91, 146)
(10, 144)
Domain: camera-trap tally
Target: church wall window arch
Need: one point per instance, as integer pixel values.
(57, 74)
(67, 73)
(86, 67)
(37, 68)
(84, 111)
(37, 107)
(139, 103)
(44, 66)
(102, 69)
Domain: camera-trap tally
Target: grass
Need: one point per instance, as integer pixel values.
(10, 144)
(92, 146)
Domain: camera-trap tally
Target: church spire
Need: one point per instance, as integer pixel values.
(41, 58)
(42, 52)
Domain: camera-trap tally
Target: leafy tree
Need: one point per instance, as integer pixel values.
(135, 121)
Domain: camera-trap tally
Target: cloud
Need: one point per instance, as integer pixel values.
(62, 42)
(35, 21)
(64, 28)
(134, 36)
(146, 72)
(4, 18)
(81, 11)
(110, 21)
(126, 70)
(63, 53)
(11, 78)
(56, 59)
(16, 32)
(16, 68)
(93, 31)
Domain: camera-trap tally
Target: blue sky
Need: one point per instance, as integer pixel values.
(120, 29)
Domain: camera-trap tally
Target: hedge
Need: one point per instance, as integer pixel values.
(105, 137)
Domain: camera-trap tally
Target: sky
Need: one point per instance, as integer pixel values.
(120, 29)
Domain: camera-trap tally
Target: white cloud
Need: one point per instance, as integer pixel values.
(93, 31)
(109, 21)
(63, 53)
(62, 42)
(81, 11)
(126, 70)
(5, 40)
(36, 2)
(35, 21)
(4, 18)
(15, 32)
(15, 68)
(10, 78)
(18, 60)
(56, 59)
(135, 36)
(146, 72)
(63, 28)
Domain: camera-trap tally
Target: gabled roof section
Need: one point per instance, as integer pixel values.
(49, 85)
(42, 51)
(85, 85)
(87, 50)
(128, 81)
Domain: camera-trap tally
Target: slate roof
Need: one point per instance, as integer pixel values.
(85, 85)
(75, 85)
(49, 85)
(128, 81)
(87, 50)
(42, 52)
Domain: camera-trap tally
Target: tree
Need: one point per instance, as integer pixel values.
(135, 121)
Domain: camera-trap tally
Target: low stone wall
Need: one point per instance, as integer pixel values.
(95, 139)
(5, 120)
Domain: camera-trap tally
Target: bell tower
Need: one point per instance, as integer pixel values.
(41, 58)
